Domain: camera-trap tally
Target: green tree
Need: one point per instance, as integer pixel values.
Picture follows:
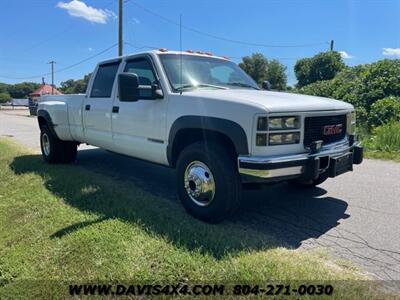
(260, 69)
(276, 75)
(3, 87)
(323, 66)
(72, 86)
(256, 66)
(4, 97)
(302, 70)
(22, 90)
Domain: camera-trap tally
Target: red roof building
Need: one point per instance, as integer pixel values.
(44, 89)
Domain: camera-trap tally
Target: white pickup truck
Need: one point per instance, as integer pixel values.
(204, 116)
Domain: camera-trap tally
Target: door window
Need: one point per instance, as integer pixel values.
(143, 69)
(104, 80)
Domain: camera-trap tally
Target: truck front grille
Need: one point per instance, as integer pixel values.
(315, 129)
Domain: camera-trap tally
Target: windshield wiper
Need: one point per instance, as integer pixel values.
(241, 84)
(188, 86)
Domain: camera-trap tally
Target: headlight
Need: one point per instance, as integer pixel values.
(282, 123)
(284, 138)
(351, 123)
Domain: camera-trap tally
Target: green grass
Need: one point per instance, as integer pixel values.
(64, 223)
(384, 142)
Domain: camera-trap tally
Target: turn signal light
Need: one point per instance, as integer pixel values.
(261, 139)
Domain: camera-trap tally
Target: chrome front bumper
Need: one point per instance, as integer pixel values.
(334, 159)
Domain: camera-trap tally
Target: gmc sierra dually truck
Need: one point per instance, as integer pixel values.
(204, 116)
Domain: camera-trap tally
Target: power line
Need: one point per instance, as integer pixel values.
(58, 34)
(141, 47)
(223, 38)
(65, 68)
(86, 59)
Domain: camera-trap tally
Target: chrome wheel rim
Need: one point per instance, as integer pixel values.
(46, 144)
(199, 183)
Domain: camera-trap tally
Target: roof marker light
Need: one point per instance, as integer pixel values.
(163, 49)
(189, 51)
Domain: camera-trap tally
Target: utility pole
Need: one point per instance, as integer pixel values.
(332, 45)
(120, 25)
(52, 76)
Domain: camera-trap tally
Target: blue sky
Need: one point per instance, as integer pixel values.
(33, 32)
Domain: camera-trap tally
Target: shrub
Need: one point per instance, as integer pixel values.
(384, 110)
(386, 137)
(362, 119)
(364, 86)
(379, 80)
(319, 88)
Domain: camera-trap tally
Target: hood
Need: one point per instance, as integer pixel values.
(273, 101)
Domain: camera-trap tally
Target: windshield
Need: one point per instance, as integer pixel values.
(204, 72)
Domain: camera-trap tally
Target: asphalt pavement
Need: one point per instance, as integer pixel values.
(355, 216)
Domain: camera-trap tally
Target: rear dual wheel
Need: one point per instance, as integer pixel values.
(55, 150)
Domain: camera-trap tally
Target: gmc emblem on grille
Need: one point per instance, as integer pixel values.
(333, 129)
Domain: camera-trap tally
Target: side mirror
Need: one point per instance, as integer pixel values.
(266, 85)
(128, 87)
(130, 90)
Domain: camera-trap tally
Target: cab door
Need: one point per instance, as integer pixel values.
(98, 105)
(139, 127)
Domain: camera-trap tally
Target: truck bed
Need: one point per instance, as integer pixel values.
(66, 114)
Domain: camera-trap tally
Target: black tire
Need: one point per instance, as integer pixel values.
(309, 183)
(223, 169)
(57, 151)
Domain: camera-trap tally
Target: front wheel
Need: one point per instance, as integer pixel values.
(208, 182)
(55, 150)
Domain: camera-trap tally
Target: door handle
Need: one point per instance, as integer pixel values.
(87, 107)
(115, 109)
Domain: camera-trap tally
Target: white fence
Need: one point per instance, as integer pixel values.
(20, 102)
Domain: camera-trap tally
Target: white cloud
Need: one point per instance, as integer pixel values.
(79, 9)
(135, 20)
(345, 55)
(391, 52)
(111, 14)
(90, 49)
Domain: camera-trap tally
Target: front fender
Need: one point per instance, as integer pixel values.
(232, 130)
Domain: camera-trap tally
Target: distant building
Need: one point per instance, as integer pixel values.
(44, 89)
(34, 97)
